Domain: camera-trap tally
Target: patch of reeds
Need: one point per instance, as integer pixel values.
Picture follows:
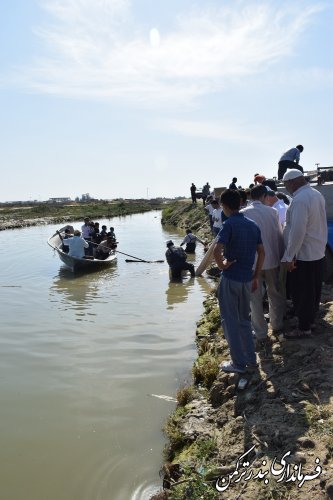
(205, 370)
(172, 429)
(185, 395)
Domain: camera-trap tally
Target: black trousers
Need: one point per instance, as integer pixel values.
(284, 165)
(190, 247)
(306, 281)
(176, 271)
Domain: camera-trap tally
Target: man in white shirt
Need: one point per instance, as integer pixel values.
(271, 233)
(76, 245)
(86, 234)
(271, 200)
(217, 217)
(305, 238)
(209, 209)
(190, 240)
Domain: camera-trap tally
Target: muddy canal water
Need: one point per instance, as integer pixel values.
(81, 357)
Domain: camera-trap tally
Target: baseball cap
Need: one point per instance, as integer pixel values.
(168, 243)
(291, 174)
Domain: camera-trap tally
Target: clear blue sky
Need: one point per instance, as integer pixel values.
(117, 97)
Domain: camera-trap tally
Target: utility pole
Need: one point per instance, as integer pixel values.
(317, 165)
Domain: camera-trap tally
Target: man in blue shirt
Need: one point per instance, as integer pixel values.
(238, 243)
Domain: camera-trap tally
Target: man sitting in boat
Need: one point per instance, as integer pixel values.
(190, 240)
(68, 234)
(176, 258)
(76, 245)
(86, 229)
(86, 234)
(104, 248)
(103, 233)
(112, 234)
(95, 233)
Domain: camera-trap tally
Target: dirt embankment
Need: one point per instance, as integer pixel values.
(271, 440)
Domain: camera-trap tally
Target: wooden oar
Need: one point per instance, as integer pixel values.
(147, 261)
(137, 259)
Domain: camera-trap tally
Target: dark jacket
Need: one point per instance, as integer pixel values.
(175, 256)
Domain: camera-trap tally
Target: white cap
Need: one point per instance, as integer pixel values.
(291, 174)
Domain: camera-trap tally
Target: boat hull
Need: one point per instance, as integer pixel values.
(77, 263)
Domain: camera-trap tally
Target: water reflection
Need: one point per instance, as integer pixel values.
(177, 292)
(206, 284)
(79, 292)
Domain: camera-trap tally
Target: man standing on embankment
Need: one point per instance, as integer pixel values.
(240, 240)
(305, 238)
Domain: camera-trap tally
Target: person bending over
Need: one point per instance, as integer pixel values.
(290, 159)
(176, 258)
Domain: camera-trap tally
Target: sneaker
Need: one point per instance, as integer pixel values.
(289, 314)
(293, 321)
(297, 334)
(229, 367)
(252, 367)
(277, 332)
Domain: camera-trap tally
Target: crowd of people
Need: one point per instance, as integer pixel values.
(89, 243)
(266, 243)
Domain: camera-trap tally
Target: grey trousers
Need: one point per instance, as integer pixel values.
(276, 303)
(234, 301)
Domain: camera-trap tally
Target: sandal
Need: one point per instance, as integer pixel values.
(297, 334)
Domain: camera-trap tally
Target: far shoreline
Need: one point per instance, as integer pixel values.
(15, 216)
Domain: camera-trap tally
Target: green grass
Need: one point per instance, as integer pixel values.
(319, 418)
(205, 449)
(185, 395)
(195, 488)
(173, 432)
(274, 490)
(205, 370)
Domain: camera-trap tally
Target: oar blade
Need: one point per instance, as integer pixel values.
(146, 261)
(130, 260)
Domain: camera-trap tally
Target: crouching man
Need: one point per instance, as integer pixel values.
(238, 242)
(176, 258)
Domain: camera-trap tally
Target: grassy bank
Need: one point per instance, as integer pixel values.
(285, 411)
(187, 215)
(14, 216)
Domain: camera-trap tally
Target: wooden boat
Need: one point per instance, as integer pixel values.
(78, 263)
